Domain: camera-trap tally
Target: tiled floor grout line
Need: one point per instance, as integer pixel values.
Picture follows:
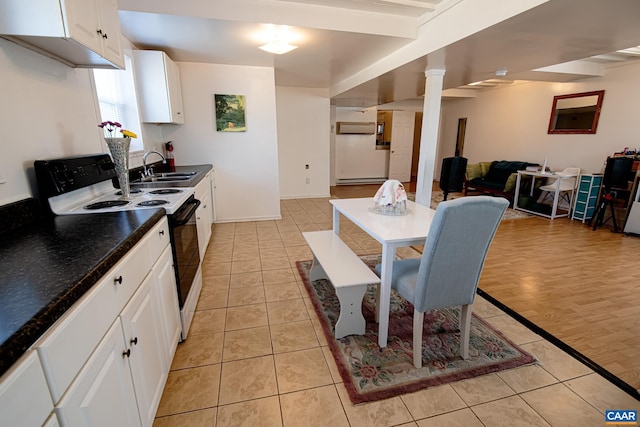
(288, 220)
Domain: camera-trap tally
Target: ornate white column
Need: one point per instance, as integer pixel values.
(429, 135)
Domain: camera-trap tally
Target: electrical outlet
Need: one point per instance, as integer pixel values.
(307, 181)
(3, 180)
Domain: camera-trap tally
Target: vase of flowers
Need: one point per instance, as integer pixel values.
(119, 149)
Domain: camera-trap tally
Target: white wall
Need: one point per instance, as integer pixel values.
(47, 110)
(303, 139)
(511, 123)
(356, 155)
(245, 163)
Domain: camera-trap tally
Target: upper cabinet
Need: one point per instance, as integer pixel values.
(158, 85)
(80, 33)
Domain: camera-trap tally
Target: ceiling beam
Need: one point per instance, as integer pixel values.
(283, 13)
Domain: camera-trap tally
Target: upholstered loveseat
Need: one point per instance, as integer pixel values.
(497, 177)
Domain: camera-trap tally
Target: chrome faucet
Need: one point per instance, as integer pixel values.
(149, 172)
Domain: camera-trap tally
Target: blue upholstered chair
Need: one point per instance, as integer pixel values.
(448, 272)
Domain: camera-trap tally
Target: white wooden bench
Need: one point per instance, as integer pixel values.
(349, 275)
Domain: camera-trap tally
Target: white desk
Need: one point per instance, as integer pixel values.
(392, 232)
(556, 193)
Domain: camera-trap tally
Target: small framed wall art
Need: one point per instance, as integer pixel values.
(230, 113)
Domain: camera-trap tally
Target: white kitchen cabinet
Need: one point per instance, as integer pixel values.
(24, 395)
(158, 86)
(144, 337)
(165, 278)
(65, 347)
(82, 33)
(113, 349)
(204, 216)
(103, 393)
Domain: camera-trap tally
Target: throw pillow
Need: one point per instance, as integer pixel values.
(474, 171)
(510, 185)
(485, 166)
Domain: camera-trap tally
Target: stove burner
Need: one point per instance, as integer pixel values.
(154, 202)
(166, 191)
(106, 204)
(132, 191)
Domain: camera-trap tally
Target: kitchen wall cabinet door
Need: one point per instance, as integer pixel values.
(158, 85)
(83, 33)
(144, 336)
(103, 393)
(165, 278)
(110, 31)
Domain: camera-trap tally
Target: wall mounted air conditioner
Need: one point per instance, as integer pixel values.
(363, 128)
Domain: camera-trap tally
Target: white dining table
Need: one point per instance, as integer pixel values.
(390, 231)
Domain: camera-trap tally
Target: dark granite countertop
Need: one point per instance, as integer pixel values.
(48, 263)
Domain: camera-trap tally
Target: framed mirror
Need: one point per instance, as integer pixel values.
(576, 113)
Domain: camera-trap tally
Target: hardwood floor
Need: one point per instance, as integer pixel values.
(578, 285)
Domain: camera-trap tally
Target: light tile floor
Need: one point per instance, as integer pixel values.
(256, 355)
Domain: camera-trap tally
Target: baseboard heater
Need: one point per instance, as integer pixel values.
(347, 181)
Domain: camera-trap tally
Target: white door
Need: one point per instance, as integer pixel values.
(402, 129)
(102, 394)
(168, 302)
(144, 333)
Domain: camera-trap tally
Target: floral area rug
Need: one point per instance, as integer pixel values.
(371, 373)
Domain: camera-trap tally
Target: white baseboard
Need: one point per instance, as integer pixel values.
(347, 181)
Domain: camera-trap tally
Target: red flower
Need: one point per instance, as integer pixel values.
(110, 128)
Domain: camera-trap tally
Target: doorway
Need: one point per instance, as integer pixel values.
(462, 129)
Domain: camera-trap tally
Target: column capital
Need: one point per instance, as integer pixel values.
(434, 72)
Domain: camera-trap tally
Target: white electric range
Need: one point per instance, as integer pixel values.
(85, 185)
(103, 197)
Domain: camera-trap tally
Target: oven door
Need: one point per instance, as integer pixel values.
(184, 244)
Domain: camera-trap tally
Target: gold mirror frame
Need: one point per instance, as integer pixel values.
(576, 113)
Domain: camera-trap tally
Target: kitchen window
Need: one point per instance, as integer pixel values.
(117, 100)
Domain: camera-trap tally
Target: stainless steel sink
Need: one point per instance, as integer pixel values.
(170, 178)
(166, 177)
(175, 174)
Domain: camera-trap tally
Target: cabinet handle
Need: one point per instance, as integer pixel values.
(162, 232)
(134, 341)
(118, 280)
(105, 36)
(99, 32)
(126, 353)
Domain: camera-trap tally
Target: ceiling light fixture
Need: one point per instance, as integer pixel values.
(278, 47)
(278, 40)
(501, 73)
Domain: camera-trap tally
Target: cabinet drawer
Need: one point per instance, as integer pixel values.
(159, 239)
(69, 343)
